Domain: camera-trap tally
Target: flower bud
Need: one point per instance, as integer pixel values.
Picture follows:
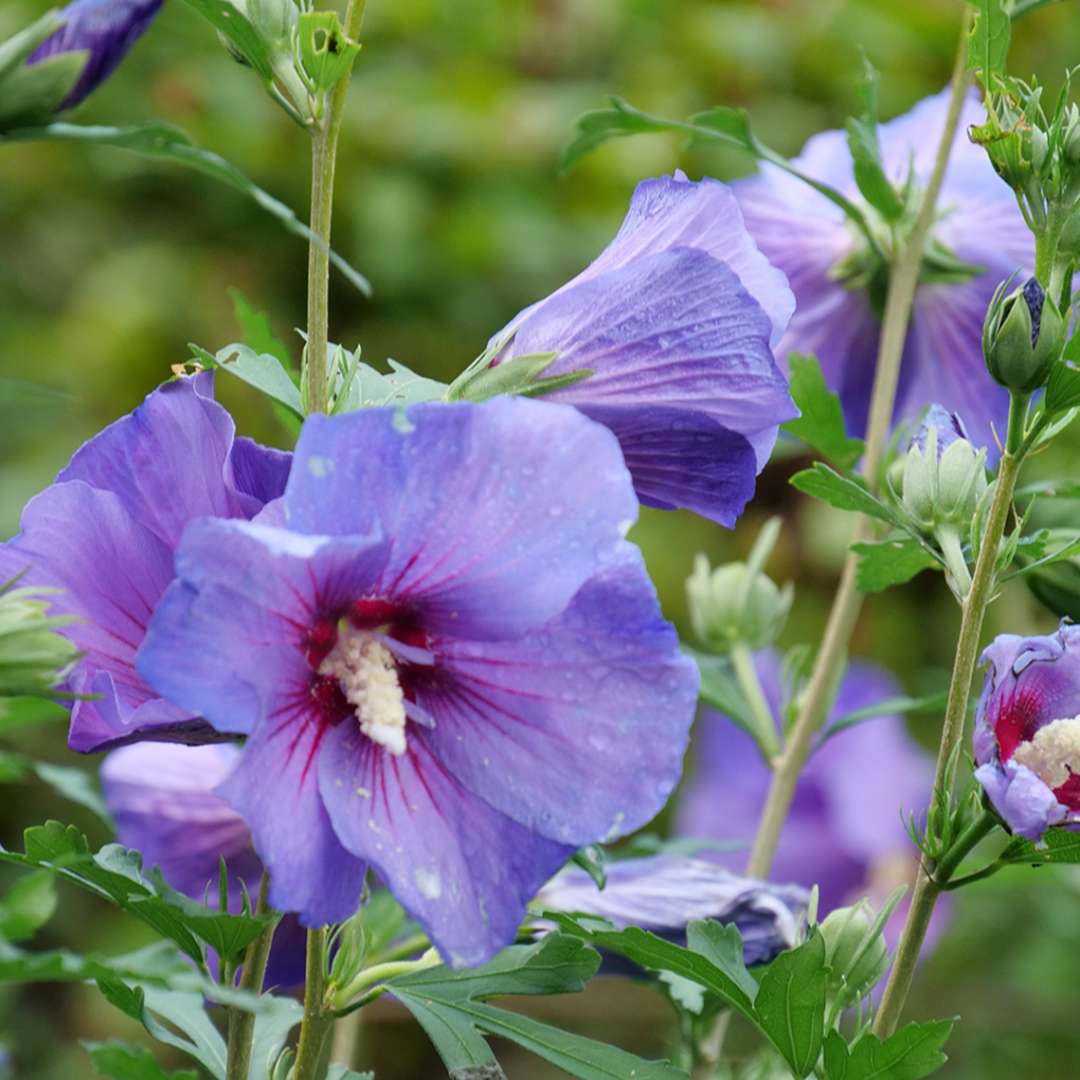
(34, 659)
(275, 20)
(944, 475)
(1070, 137)
(735, 604)
(1023, 337)
(855, 951)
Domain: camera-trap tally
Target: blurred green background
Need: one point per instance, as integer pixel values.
(449, 200)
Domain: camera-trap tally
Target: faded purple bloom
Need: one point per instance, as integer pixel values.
(451, 666)
(105, 30)
(674, 319)
(163, 800)
(845, 832)
(1027, 730)
(826, 261)
(663, 893)
(104, 533)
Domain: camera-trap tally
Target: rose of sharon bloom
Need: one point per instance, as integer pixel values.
(663, 893)
(826, 261)
(105, 30)
(450, 666)
(674, 319)
(1027, 731)
(162, 798)
(844, 832)
(104, 534)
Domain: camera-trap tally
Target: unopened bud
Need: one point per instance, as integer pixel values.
(34, 658)
(855, 951)
(1023, 337)
(734, 604)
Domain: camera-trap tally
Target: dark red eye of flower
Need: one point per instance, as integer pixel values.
(1016, 720)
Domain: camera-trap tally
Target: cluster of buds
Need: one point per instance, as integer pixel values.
(737, 604)
(943, 483)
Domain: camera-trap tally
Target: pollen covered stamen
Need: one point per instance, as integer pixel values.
(367, 673)
(1053, 754)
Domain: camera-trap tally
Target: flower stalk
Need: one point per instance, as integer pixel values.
(318, 1016)
(847, 603)
(242, 1021)
(316, 389)
(930, 879)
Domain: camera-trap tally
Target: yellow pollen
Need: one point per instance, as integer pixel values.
(366, 671)
(1054, 753)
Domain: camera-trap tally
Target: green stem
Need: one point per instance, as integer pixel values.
(242, 1021)
(976, 602)
(318, 1019)
(380, 973)
(323, 167)
(742, 660)
(950, 862)
(847, 603)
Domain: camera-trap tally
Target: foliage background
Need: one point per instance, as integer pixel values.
(450, 202)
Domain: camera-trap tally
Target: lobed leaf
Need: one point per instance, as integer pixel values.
(821, 425)
(790, 1003)
(890, 562)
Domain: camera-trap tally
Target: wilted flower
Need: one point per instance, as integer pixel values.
(833, 272)
(845, 832)
(105, 30)
(162, 798)
(104, 535)
(451, 666)
(663, 893)
(673, 321)
(1023, 336)
(1027, 730)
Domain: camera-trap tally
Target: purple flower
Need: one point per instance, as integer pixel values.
(105, 30)
(1027, 730)
(663, 893)
(845, 832)
(674, 319)
(946, 426)
(163, 800)
(825, 259)
(451, 666)
(104, 533)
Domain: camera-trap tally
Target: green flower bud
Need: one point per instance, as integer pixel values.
(735, 604)
(1070, 137)
(855, 951)
(34, 658)
(944, 475)
(1023, 337)
(275, 20)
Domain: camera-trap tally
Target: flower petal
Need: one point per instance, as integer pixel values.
(680, 458)
(1024, 802)
(462, 869)
(275, 789)
(244, 599)
(169, 461)
(492, 522)
(675, 329)
(578, 730)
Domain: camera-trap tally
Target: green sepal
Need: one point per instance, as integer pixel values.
(522, 375)
(326, 53)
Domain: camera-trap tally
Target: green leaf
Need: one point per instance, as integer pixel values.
(713, 957)
(116, 874)
(720, 689)
(600, 125)
(862, 139)
(21, 712)
(593, 860)
(821, 425)
(160, 962)
(261, 370)
(259, 335)
(890, 562)
(988, 46)
(169, 143)
(1060, 846)
(233, 25)
(339, 1072)
(910, 1054)
(121, 1061)
(842, 492)
(371, 388)
(450, 1006)
(790, 1003)
(887, 707)
(1063, 386)
(27, 906)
